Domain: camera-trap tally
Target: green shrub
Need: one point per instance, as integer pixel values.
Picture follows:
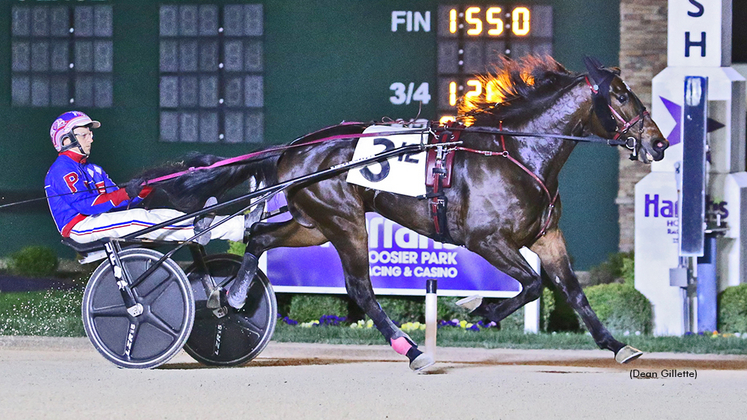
(237, 248)
(515, 321)
(403, 309)
(400, 309)
(448, 310)
(305, 308)
(617, 269)
(561, 317)
(34, 261)
(628, 270)
(732, 309)
(547, 306)
(620, 307)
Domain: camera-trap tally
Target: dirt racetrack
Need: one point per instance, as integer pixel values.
(65, 378)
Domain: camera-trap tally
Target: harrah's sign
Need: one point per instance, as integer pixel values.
(656, 207)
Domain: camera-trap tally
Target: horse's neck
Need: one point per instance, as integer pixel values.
(545, 157)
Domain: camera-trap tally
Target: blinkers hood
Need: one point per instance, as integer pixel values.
(601, 77)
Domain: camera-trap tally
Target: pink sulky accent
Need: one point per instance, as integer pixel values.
(401, 345)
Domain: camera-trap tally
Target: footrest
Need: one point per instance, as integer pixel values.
(84, 248)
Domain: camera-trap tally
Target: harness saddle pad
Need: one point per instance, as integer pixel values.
(403, 174)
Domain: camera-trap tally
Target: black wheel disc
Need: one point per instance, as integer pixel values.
(152, 338)
(240, 335)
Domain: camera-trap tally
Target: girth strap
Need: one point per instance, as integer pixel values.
(438, 177)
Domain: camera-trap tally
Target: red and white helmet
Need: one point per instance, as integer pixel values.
(64, 125)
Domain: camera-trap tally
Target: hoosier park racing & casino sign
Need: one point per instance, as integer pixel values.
(400, 263)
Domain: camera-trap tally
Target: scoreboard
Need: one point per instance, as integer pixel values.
(211, 59)
(226, 76)
(472, 38)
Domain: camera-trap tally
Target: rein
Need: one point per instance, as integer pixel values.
(487, 130)
(258, 153)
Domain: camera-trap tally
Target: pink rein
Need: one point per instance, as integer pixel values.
(242, 158)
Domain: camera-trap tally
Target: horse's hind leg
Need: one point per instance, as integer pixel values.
(552, 251)
(349, 237)
(266, 236)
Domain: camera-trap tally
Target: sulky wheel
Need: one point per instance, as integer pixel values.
(152, 338)
(237, 336)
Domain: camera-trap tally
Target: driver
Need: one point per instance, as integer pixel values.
(87, 206)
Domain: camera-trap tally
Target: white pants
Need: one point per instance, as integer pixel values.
(122, 223)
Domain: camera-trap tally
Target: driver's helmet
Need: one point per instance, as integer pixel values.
(65, 123)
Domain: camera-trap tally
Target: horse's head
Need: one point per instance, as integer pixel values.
(620, 115)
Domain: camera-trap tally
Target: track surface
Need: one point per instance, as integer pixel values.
(67, 379)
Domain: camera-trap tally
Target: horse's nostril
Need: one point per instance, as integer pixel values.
(659, 146)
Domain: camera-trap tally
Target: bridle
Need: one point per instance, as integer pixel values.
(611, 120)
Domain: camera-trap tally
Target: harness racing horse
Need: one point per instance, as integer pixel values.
(498, 203)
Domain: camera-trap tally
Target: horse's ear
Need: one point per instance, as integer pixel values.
(596, 70)
(615, 70)
(602, 77)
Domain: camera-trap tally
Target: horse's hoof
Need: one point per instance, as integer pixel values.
(421, 362)
(626, 354)
(470, 303)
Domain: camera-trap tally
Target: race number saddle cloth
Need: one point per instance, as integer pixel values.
(423, 175)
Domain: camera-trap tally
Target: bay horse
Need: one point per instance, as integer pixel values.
(496, 205)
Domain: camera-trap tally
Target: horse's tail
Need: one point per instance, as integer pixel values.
(189, 191)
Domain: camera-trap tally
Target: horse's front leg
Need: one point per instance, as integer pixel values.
(505, 257)
(555, 262)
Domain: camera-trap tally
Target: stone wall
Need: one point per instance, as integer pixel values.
(643, 54)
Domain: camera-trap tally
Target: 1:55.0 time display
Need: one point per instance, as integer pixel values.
(490, 22)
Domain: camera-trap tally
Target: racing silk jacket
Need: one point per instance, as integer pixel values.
(76, 189)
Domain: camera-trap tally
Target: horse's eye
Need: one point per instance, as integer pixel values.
(622, 98)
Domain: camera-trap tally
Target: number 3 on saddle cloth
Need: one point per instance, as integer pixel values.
(438, 168)
(423, 175)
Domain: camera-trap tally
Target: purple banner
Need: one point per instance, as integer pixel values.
(400, 263)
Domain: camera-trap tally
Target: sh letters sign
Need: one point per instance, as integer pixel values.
(696, 32)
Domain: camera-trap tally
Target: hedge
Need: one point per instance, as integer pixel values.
(401, 309)
(305, 308)
(34, 261)
(732, 309)
(620, 308)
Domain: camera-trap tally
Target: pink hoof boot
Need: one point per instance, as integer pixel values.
(401, 345)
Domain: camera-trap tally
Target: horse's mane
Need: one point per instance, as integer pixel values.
(519, 90)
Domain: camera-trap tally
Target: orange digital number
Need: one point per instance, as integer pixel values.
(520, 21)
(493, 17)
(469, 17)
